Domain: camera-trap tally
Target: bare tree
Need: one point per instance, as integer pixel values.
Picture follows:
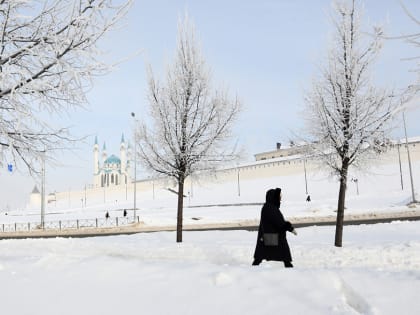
(48, 57)
(412, 39)
(348, 117)
(191, 120)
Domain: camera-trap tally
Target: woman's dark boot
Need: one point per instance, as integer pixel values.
(288, 264)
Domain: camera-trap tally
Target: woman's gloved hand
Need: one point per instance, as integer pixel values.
(288, 226)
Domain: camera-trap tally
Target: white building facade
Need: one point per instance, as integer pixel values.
(111, 170)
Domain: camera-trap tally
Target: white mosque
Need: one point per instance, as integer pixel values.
(113, 170)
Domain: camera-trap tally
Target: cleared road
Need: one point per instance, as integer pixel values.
(371, 218)
(316, 223)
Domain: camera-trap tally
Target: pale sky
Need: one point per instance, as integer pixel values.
(265, 51)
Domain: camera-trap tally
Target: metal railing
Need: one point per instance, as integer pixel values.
(60, 225)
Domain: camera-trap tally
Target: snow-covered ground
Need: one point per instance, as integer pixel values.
(378, 191)
(376, 272)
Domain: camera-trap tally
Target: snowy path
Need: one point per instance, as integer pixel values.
(376, 272)
(196, 225)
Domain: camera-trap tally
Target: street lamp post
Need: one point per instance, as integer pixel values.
(356, 181)
(239, 184)
(135, 165)
(399, 162)
(306, 180)
(409, 161)
(43, 191)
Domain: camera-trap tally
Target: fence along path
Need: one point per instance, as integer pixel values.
(63, 225)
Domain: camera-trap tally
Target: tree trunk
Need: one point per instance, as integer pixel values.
(341, 204)
(180, 210)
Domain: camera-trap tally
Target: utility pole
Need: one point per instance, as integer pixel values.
(409, 162)
(399, 162)
(239, 184)
(43, 191)
(306, 180)
(135, 165)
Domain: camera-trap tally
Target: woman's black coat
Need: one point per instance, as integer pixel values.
(272, 221)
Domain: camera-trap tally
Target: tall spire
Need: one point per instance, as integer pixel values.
(104, 155)
(123, 155)
(95, 158)
(96, 146)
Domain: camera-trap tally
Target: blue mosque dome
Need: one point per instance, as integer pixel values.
(112, 160)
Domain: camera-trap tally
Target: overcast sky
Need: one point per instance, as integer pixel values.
(265, 51)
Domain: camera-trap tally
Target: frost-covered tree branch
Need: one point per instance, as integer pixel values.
(348, 117)
(191, 120)
(413, 39)
(48, 58)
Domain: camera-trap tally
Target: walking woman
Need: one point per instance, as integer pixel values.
(272, 243)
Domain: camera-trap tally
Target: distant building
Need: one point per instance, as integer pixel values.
(282, 151)
(301, 148)
(35, 198)
(113, 171)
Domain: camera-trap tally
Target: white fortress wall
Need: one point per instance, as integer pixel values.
(237, 185)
